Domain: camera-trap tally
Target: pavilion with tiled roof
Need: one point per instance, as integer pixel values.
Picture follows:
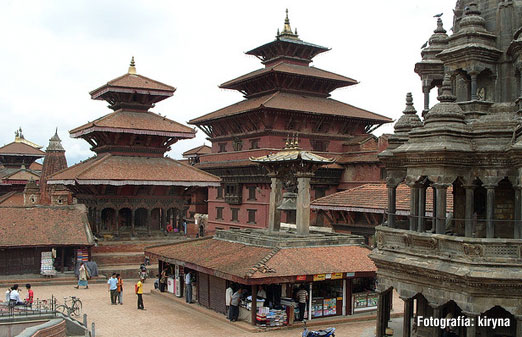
(130, 186)
(194, 154)
(255, 258)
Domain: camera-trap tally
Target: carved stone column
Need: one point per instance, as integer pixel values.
(414, 203)
(518, 330)
(441, 191)
(436, 331)
(392, 197)
(408, 313)
(470, 195)
(517, 226)
(490, 211)
(274, 215)
(473, 76)
(426, 90)
(421, 223)
(303, 203)
(471, 331)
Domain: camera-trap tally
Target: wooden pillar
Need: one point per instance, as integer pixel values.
(117, 222)
(408, 311)
(63, 260)
(490, 211)
(381, 324)
(98, 219)
(149, 219)
(421, 222)
(468, 222)
(392, 197)
(163, 219)
(132, 221)
(274, 215)
(303, 203)
(253, 308)
(349, 296)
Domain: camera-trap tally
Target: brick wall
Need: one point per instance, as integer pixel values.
(57, 330)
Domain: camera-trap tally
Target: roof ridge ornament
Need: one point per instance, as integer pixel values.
(440, 27)
(132, 66)
(410, 109)
(287, 30)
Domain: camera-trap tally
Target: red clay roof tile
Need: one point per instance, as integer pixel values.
(16, 148)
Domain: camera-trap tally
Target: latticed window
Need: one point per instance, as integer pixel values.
(219, 192)
(252, 193)
(219, 213)
(251, 216)
(235, 214)
(222, 147)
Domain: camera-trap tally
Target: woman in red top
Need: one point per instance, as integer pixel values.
(30, 295)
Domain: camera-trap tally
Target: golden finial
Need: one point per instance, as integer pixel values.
(287, 143)
(132, 67)
(287, 29)
(296, 143)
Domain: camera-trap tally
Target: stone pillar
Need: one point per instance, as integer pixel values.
(436, 330)
(414, 205)
(149, 219)
(303, 204)
(473, 86)
(426, 90)
(408, 313)
(392, 197)
(517, 226)
(133, 211)
(441, 191)
(490, 215)
(434, 209)
(274, 215)
(471, 331)
(470, 197)
(421, 223)
(518, 330)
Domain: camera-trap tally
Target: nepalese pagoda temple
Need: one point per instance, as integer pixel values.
(467, 262)
(129, 186)
(285, 97)
(18, 163)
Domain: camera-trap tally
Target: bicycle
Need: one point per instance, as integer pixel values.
(70, 310)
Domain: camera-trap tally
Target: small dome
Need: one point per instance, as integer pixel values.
(472, 21)
(447, 111)
(437, 42)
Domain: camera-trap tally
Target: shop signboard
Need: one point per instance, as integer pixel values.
(301, 278)
(336, 276)
(170, 285)
(319, 277)
(350, 274)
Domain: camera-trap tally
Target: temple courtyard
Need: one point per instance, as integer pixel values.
(172, 317)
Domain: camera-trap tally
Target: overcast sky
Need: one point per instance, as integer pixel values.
(55, 52)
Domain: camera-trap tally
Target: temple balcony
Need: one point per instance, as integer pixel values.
(468, 250)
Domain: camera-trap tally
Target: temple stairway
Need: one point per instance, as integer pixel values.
(124, 255)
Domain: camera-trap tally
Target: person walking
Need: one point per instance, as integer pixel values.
(83, 276)
(119, 288)
(302, 296)
(139, 292)
(163, 280)
(188, 287)
(112, 286)
(234, 305)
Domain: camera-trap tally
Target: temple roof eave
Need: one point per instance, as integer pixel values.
(109, 182)
(92, 129)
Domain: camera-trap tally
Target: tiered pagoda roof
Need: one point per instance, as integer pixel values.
(131, 142)
(288, 83)
(20, 152)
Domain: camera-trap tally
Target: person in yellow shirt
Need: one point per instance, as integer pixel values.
(139, 292)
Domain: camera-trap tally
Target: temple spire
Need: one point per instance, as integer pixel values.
(132, 67)
(287, 29)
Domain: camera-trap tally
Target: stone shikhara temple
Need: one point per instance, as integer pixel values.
(468, 263)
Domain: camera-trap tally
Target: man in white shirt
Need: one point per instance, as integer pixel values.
(228, 297)
(14, 295)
